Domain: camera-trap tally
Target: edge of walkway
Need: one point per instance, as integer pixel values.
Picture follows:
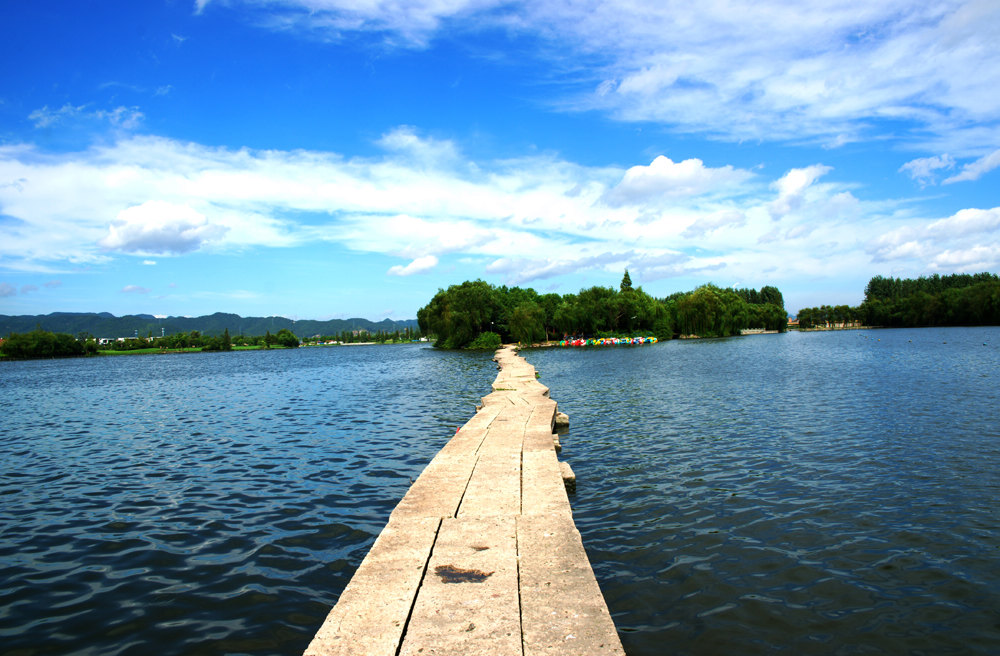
(481, 556)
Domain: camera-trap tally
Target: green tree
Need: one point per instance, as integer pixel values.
(41, 344)
(460, 313)
(626, 284)
(286, 338)
(527, 323)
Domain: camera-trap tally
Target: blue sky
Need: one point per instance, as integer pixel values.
(322, 159)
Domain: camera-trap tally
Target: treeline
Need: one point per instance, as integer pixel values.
(42, 344)
(366, 337)
(479, 314)
(107, 325)
(951, 300)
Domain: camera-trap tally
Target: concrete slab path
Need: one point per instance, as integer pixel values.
(481, 556)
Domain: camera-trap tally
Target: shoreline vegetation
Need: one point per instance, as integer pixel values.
(952, 300)
(478, 315)
(42, 344)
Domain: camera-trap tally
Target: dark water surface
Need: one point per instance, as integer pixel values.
(207, 503)
(823, 493)
(818, 493)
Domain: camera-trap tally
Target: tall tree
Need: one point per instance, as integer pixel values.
(626, 285)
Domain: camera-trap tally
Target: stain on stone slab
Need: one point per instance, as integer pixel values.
(452, 574)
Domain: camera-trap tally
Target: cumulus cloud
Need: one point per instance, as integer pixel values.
(968, 223)
(924, 169)
(135, 289)
(419, 265)
(665, 179)
(792, 188)
(6, 289)
(969, 260)
(531, 218)
(976, 169)
(419, 149)
(160, 227)
(968, 240)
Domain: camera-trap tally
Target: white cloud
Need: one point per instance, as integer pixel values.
(968, 240)
(419, 150)
(792, 189)
(767, 70)
(27, 289)
(976, 169)
(134, 289)
(160, 227)
(820, 71)
(970, 260)
(968, 223)
(419, 265)
(45, 117)
(520, 270)
(531, 218)
(715, 221)
(665, 179)
(126, 118)
(410, 24)
(6, 289)
(923, 169)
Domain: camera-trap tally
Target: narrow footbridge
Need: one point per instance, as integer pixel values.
(481, 556)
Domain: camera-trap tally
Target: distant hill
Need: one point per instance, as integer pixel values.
(103, 324)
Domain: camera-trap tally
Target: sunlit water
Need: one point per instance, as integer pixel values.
(820, 493)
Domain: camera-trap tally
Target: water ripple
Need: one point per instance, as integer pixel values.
(803, 493)
(209, 504)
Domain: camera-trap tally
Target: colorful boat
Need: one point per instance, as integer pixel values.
(608, 341)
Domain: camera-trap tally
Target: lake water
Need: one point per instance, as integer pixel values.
(815, 493)
(820, 493)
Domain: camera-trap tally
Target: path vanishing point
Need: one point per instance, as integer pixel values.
(481, 556)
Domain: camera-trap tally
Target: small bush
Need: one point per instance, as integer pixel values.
(486, 341)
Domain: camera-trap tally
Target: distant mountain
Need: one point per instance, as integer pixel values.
(104, 324)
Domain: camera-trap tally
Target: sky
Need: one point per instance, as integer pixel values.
(322, 159)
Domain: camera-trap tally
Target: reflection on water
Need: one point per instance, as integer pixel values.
(207, 503)
(803, 493)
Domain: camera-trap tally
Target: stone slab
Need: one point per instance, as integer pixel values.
(468, 603)
(371, 614)
(562, 610)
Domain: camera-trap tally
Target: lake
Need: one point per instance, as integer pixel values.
(812, 493)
